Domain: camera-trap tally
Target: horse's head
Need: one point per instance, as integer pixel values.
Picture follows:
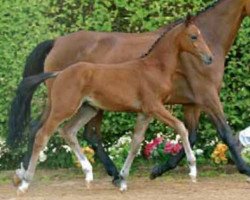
(192, 41)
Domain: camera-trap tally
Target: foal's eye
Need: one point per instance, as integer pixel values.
(193, 37)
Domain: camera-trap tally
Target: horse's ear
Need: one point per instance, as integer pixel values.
(189, 19)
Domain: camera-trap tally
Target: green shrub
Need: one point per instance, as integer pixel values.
(23, 24)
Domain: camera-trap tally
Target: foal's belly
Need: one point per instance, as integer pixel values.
(110, 103)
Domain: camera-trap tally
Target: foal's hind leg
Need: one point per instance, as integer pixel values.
(69, 132)
(92, 134)
(36, 125)
(41, 140)
(138, 137)
(165, 116)
(57, 115)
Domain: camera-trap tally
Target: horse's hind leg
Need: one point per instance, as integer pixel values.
(140, 128)
(69, 132)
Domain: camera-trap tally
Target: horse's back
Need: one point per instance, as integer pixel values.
(97, 47)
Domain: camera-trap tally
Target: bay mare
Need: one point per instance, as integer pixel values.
(141, 86)
(219, 24)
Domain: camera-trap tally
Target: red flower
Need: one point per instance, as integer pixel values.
(172, 148)
(157, 141)
(151, 146)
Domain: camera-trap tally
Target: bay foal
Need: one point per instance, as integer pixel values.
(140, 86)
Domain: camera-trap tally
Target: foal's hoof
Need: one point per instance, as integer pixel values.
(18, 176)
(123, 186)
(193, 179)
(89, 178)
(88, 184)
(16, 180)
(20, 193)
(248, 179)
(23, 188)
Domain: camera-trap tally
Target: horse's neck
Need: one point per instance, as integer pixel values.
(221, 23)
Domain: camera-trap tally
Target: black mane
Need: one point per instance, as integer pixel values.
(167, 29)
(173, 24)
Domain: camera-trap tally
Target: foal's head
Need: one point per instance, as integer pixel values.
(192, 41)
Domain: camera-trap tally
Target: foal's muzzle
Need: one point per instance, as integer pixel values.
(207, 59)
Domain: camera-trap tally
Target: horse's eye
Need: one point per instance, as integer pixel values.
(193, 37)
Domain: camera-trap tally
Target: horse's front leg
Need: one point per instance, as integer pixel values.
(139, 133)
(214, 109)
(92, 134)
(192, 114)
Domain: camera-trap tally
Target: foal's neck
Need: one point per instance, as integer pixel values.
(165, 53)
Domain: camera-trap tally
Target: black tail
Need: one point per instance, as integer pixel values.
(18, 118)
(34, 65)
(35, 61)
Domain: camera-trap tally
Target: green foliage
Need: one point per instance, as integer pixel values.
(23, 24)
(246, 154)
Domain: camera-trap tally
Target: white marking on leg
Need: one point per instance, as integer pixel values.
(87, 168)
(69, 132)
(188, 150)
(123, 186)
(193, 172)
(138, 137)
(23, 187)
(20, 172)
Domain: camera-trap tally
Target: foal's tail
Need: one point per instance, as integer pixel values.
(34, 65)
(25, 89)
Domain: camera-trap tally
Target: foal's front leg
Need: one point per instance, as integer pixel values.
(140, 128)
(166, 117)
(192, 114)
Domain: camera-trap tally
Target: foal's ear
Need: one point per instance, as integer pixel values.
(189, 19)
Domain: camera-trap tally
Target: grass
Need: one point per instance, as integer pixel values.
(140, 169)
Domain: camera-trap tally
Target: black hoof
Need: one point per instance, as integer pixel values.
(155, 172)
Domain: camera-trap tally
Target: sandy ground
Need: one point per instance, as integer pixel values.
(65, 186)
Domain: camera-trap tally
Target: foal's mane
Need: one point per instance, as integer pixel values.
(179, 21)
(167, 29)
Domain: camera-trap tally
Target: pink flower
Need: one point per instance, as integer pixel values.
(172, 148)
(148, 149)
(157, 141)
(151, 146)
